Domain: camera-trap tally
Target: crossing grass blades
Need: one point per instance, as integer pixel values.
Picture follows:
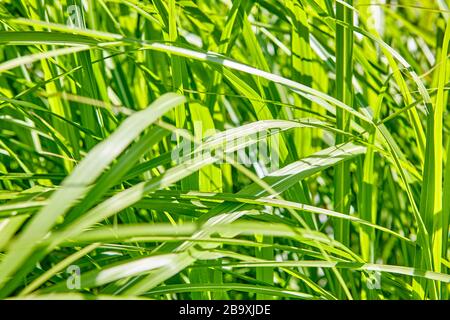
(347, 195)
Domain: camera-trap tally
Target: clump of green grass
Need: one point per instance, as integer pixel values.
(127, 152)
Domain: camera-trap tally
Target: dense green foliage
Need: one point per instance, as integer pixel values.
(346, 197)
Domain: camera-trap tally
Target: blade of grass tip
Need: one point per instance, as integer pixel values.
(76, 185)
